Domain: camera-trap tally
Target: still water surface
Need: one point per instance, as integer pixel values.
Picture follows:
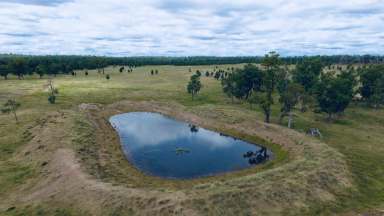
(160, 146)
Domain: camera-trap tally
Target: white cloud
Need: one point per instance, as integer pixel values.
(191, 27)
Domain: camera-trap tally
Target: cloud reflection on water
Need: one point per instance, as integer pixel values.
(152, 129)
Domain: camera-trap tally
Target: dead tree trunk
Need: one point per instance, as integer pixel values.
(290, 120)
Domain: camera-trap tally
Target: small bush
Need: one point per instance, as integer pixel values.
(198, 73)
(52, 99)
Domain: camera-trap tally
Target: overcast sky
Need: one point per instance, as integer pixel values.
(191, 27)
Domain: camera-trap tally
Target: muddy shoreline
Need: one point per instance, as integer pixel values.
(99, 116)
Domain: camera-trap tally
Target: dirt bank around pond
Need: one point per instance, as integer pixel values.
(81, 166)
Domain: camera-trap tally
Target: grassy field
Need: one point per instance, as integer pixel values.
(358, 136)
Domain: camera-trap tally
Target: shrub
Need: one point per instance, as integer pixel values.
(52, 99)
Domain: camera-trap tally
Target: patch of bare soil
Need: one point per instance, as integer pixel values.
(96, 178)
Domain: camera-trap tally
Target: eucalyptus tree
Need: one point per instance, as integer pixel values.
(121, 69)
(335, 92)
(18, 67)
(4, 70)
(372, 85)
(307, 73)
(198, 73)
(194, 85)
(289, 98)
(229, 86)
(101, 63)
(248, 79)
(242, 82)
(41, 70)
(377, 98)
(55, 69)
(272, 67)
(217, 75)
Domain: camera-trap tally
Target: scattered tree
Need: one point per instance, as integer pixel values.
(198, 73)
(247, 79)
(335, 92)
(217, 75)
(271, 63)
(41, 70)
(307, 73)
(264, 102)
(18, 67)
(121, 69)
(372, 85)
(293, 93)
(4, 70)
(194, 85)
(52, 92)
(56, 64)
(377, 98)
(229, 86)
(10, 107)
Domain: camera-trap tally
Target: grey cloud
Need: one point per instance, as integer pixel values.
(37, 2)
(341, 28)
(15, 43)
(363, 11)
(190, 27)
(361, 44)
(23, 34)
(206, 38)
(106, 39)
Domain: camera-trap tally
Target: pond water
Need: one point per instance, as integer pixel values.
(160, 146)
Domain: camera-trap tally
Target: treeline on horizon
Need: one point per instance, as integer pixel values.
(21, 65)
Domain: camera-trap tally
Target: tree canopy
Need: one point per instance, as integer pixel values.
(21, 65)
(194, 85)
(335, 92)
(372, 85)
(307, 73)
(307, 85)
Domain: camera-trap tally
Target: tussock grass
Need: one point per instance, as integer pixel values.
(303, 185)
